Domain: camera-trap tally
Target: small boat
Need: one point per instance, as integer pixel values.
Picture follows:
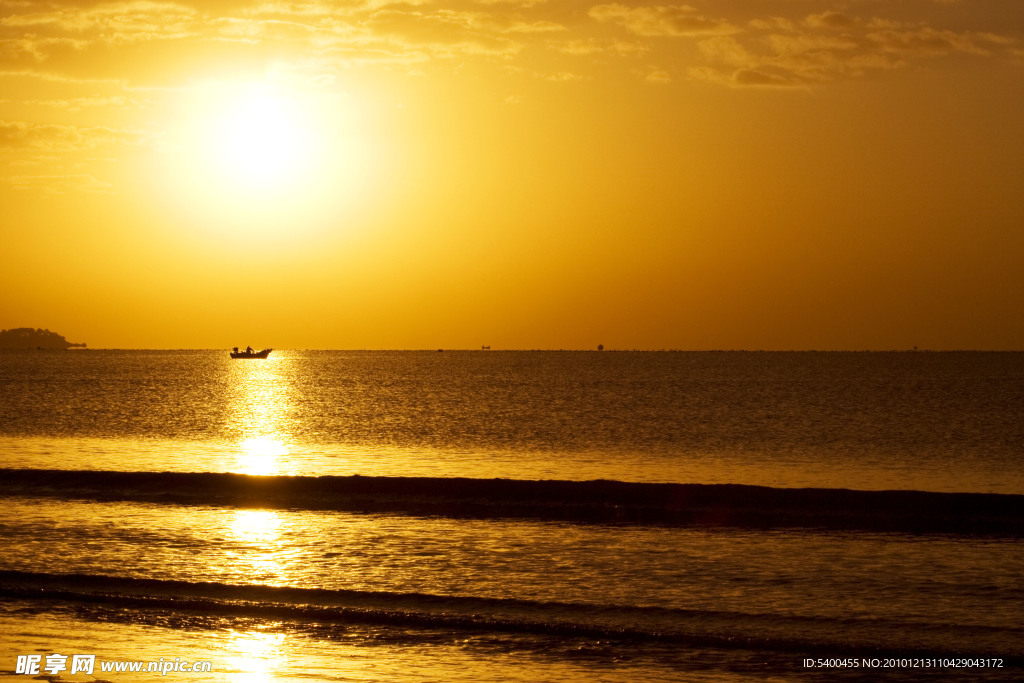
(249, 353)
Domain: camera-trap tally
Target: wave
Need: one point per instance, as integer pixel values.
(322, 610)
(599, 501)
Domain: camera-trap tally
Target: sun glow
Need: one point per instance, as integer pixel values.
(262, 138)
(263, 154)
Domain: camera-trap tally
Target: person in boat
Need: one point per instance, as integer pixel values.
(234, 350)
(248, 349)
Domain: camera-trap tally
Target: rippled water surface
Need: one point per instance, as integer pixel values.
(429, 592)
(723, 569)
(929, 421)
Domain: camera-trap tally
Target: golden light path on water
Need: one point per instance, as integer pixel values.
(256, 655)
(259, 455)
(258, 413)
(260, 549)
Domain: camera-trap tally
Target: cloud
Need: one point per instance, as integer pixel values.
(443, 34)
(747, 78)
(916, 42)
(583, 47)
(834, 45)
(51, 77)
(68, 37)
(16, 135)
(802, 44)
(831, 20)
(728, 50)
(148, 43)
(534, 27)
(563, 77)
(65, 39)
(756, 77)
(50, 185)
(661, 20)
(117, 20)
(77, 104)
(38, 48)
(657, 76)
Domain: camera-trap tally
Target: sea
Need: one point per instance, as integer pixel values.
(521, 516)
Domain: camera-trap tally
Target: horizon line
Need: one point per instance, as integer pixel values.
(540, 349)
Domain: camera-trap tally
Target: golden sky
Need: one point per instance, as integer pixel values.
(755, 174)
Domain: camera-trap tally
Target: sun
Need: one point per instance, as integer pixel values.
(249, 138)
(266, 156)
(261, 138)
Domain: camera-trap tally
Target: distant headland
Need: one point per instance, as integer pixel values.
(27, 338)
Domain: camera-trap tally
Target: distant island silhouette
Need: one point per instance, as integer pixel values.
(27, 338)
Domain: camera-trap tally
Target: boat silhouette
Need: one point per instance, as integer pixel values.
(250, 353)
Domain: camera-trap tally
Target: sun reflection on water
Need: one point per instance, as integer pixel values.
(256, 526)
(260, 553)
(260, 455)
(254, 656)
(260, 415)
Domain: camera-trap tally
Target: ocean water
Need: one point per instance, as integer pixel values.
(519, 516)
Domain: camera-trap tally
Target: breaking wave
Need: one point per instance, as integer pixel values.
(600, 501)
(324, 610)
